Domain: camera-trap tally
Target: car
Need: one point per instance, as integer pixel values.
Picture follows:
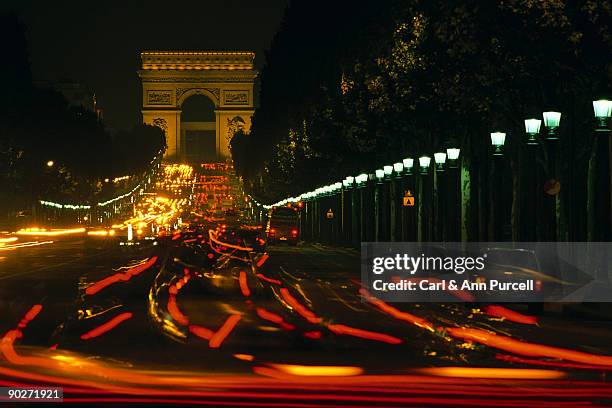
(283, 225)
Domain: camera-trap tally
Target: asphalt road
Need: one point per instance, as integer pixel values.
(180, 321)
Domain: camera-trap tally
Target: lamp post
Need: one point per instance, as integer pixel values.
(439, 213)
(440, 159)
(360, 223)
(409, 225)
(452, 155)
(378, 205)
(532, 128)
(347, 193)
(453, 218)
(551, 122)
(603, 165)
(424, 220)
(498, 139)
(395, 201)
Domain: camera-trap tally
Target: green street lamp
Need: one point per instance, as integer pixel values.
(408, 165)
(424, 162)
(398, 168)
(380, 175)
(497, 140)
(532, 128)
(361, 179)
(452, 155)
(603, 109)
(440, 159)
(348, 182)
(388, 171)
(551, 121)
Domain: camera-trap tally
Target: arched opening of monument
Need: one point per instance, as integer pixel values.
(198, 130)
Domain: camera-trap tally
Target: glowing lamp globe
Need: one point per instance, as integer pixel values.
(602, 109)
(424, 162)
(552, 121)
(497, 140)
(532, 128)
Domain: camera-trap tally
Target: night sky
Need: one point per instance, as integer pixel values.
(98, 43)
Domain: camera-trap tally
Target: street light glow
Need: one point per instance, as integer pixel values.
(388, 170)
(532, 126)
(440, 158)
(551, 121)
(50, 163)
(398, 167)
(408, 163)
(453, 153)
(497, 140)
(602, 108)
(380, 173)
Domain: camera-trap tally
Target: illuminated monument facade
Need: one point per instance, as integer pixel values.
(225, 79)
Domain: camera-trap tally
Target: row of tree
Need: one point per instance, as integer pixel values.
(50, 150)
(351, 85)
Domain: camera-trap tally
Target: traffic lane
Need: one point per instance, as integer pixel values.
(54, 278)
(432, 320)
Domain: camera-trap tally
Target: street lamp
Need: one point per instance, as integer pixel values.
(361, 179)
(532, 128)
(603, 109)
(440, 159)
(408, 165)
(452, 154)
(551, 121)
(50, 163)
(398, 168)
(497, 140)
(380, 174)
(424, 164)
(348, 182)
(388, 171)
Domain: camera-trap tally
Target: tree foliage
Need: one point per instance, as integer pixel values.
(38, 125)
(348, 86)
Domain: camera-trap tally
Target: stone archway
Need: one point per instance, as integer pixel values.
(170, 78)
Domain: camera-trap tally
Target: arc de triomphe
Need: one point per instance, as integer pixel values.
(170, 78)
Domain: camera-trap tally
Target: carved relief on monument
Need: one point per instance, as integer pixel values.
(236, 97)
(215, 91)
(159, 97)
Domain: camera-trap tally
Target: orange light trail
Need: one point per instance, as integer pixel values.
(262, 260)
(111, 324)
(485, 372)
(396, 313)
(274, 318)
(98, 286)
(269, 280)
(224, 331)
(508, 314)
(175, 312)
(201, 331)
(527, 349)
(364, 334)
(299, 308)
(244, 286)
(29, 316)
(50, 233)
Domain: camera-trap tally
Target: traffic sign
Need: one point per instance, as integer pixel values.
(408, 199)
